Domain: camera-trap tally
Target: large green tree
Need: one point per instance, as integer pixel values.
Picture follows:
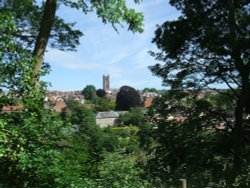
(104, 104)
(135, 116)
(33, 140)
(89, 93)
(187, 141)
(208, 45)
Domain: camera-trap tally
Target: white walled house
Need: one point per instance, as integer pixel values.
(105, 119)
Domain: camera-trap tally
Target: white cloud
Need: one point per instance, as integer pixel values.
(142, 60)
(70, 60)
(114, 72)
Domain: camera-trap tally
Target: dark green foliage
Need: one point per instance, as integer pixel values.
(27, 17)
(181, 152)
(119, 171)
(127, 98)
(198, 147)
(110, 140)
(104, 104)
(135, 116)
(122, 139)
(128, 140)
(100, 93)
(78, 114)
(89, 93)
(222, 101)
(145, 136)
(72, 104)
(208, 45)
(151, 111)
(199, 56)
(149, 90)
(84, 120)
(37, 148)
(15, 62)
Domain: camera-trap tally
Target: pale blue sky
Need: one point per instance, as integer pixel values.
(123, 56)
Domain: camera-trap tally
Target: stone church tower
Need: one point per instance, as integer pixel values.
(106, 85)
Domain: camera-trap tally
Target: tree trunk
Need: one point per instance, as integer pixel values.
(238, 138)
(241, 106)
(42, 39)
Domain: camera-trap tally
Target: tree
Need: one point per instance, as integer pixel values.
(88, 134)
(126, 98)
(135, 117)
(100, 93)
(89, 92)
(119, 171)
(33, 146)
(104, 104)
(176, 144)
(146, 89)
(78, 114)
(198, 52)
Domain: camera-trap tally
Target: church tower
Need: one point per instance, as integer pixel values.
(106, 86)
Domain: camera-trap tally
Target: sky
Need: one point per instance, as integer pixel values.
(102, 51)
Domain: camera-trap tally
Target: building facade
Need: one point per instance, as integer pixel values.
(105, 119)
(106, 83)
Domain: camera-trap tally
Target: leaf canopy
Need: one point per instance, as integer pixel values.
(197, 48)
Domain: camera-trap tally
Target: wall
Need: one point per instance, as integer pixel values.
(105, 122)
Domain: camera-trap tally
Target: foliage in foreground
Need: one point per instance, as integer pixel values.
(196, 147)
(44, 152)
(206, 47)
(37, 147)
(30, 154)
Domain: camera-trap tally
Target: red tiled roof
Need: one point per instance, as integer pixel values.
(12, 108)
